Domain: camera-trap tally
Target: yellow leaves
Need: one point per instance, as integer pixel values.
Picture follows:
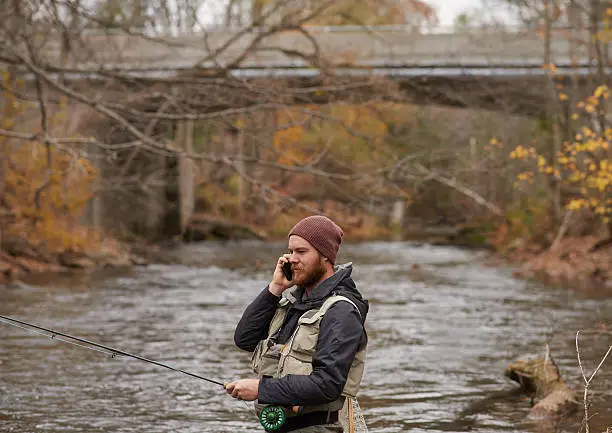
(601, 91)
(550, 67)
(592, 102)
(495, 142)
(521, 152)
(588, 132)
(541, 161)
(239, 122)
(563, 97)
(576, 204)
(564, 159)
(583, 165)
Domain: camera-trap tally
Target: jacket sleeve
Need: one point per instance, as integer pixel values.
(340, 335)
(255, 321)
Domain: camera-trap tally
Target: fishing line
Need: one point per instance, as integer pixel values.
(111, 354)
(107, 350)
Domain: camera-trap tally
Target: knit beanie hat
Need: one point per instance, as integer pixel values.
(322, 233)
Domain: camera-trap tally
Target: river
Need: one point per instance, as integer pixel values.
(442, 327)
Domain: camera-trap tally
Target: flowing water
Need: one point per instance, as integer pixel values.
(442, 327)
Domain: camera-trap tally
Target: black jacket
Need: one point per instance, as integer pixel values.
(341, 334)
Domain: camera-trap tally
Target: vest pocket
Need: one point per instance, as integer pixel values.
(305, 340)
(297, 355)
(267, 361)
(294, 363)
(256, 357)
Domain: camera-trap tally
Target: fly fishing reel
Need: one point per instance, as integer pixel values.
(272, 418)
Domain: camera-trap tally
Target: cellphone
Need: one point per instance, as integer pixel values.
(287, 271)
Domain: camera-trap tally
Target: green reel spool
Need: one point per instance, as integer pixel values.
(272, 418)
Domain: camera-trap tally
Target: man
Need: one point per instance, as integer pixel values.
(307, 335)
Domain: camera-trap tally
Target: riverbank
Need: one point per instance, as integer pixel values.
(19, 260)
(583, 263)
(577, 262)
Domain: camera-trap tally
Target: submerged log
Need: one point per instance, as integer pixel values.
(541, 379)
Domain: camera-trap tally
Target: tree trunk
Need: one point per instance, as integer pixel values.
(552, 112)
(595, 18)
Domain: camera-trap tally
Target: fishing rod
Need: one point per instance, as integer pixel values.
(271, 418)
(96, 346)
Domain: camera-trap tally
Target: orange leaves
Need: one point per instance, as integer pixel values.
(289, 137)
(344, 130)
(10, 107)
(63, 188)
(54, 224)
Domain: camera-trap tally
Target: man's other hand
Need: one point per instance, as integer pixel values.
(243, 389)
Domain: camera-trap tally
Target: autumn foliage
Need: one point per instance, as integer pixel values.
(44, 188)
(583, 166)
(353, 132)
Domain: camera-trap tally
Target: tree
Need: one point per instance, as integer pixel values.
(131, 124)
(578, 158)
(416, 13)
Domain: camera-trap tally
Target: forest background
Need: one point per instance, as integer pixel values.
(90, 167)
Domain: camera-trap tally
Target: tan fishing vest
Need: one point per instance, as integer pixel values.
(295, 357)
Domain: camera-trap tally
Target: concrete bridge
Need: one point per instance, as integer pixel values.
(486, 68)
(389, 50)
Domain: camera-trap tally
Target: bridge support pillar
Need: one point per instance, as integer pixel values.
(396, 219)
(186, 172)
(93, 213)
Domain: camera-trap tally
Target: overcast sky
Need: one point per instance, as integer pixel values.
(449, 9)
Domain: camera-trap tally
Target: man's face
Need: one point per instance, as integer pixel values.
(306, 262)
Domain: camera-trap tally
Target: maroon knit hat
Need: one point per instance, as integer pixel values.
(322, 233)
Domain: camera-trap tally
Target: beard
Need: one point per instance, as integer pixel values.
(313, 277)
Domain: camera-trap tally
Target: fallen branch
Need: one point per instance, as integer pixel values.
(462, 189)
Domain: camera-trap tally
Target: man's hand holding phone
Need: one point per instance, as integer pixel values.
(281, 280)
